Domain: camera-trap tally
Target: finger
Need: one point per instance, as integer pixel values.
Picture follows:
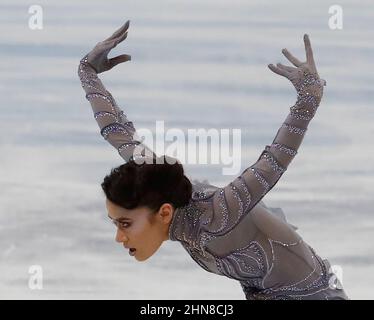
(116, 33)
(113, 43)
(119, 59)
(107, 46)
(278, 70)
(286, 68)
(121, 37)
(309, 51)
(119, 31)
(296, 62)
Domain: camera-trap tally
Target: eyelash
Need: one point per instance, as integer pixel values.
(121, 224)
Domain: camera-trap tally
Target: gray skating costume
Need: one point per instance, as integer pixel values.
(229, 231)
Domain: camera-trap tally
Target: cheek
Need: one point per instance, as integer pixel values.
(139, 229)
(147, 236)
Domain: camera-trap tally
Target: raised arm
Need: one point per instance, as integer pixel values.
(113, 123)
(235, 200)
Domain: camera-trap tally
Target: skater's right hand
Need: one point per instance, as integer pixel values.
(98, 57)
(305, 76)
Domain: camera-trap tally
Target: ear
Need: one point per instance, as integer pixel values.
(166, 212)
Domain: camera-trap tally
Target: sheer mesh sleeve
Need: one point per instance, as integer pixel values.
(236, 199)
(113, 123)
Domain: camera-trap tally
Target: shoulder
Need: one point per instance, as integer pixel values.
(202, 190)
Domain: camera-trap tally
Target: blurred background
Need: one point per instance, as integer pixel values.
(195, 64)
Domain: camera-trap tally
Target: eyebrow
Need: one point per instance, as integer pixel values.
(119, 219)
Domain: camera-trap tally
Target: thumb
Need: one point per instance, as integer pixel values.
(119, 59)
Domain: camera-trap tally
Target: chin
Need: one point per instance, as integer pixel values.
(141, 259)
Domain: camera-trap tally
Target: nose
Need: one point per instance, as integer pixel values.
(120, 236)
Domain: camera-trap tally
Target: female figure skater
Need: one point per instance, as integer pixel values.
(228, 231)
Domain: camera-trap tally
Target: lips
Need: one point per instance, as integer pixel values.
(132, 251)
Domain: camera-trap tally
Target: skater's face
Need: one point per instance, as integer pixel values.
(141, 228)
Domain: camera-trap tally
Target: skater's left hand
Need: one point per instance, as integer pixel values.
(303, 72)
(98, 57)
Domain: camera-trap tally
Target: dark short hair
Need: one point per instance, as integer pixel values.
(133, 185)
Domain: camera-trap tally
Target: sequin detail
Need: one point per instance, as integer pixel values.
(247, 195)
(127, 145)
(285, 149)
(287, 244)
(223, 212)
(296, 290)
(307, 103)
(293, 129)
(301, 114)
(113, 128)
(95, 90)
(262, 180)
(90, 96)
(243, 263)
(89, 80)
(273, 162)
(101, 114)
